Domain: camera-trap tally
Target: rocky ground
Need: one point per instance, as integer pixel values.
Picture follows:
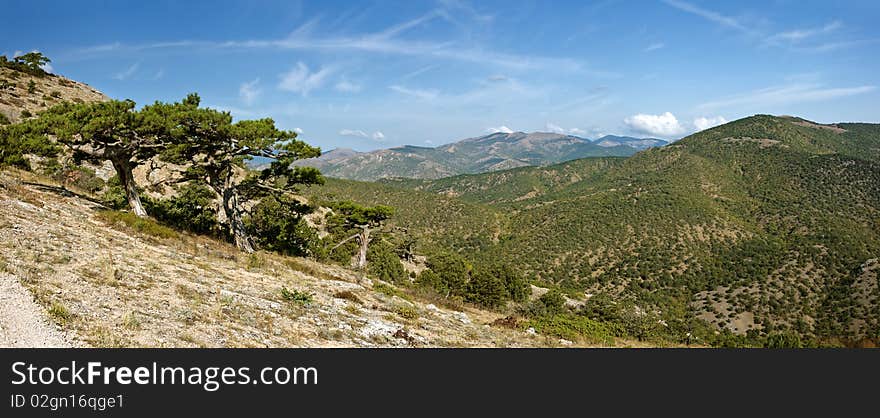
(73, 276)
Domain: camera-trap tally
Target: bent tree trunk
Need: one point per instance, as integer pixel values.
(236, 224)
(364, 241)
(126, 179)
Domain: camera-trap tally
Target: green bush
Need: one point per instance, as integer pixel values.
(783, 340)
(26, 113)
(4, 120)
(383, 264)
(296, 296)
(454, 273)
(574, 327)
(549, 304)
(486, 289)
(278, 225)
(190, 210)
(114, 195)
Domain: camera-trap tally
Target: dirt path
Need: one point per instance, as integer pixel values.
(22, 322)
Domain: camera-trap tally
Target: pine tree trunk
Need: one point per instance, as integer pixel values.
(236, 224)
(126, 178)
(364, 239)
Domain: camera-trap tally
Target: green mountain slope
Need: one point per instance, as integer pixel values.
(761, 225)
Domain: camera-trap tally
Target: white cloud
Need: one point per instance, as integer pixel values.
(127, 73)
(376, 136)
(781, 95)
(346, 86)
(354, 132)
(383, 42)
(655, 46)
(301, 80)
(710, 15)
(47, 68)
(249, 92)
(702, 123)
(418, 93)
(429, 142)
(298, 131)
(159, 74)
(556, 129)
(801, 34)
(660, 125)
(501, 129)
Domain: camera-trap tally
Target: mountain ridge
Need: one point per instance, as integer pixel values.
(493, 152)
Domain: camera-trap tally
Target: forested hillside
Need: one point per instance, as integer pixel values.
(762, 226)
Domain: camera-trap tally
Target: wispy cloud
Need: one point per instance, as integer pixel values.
(357, 133)
(835, 46)
(781, 95)
(556, 129)
(249, 91)
(346, 86)
(302, 80)
(128, 72)
(418, 72)
(795, 40)
(798, 35)
(418, 93)
(159, 74)
(385, 41)
(655, 46)
(710, 15)
(354, 132)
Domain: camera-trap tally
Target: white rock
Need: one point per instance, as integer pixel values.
(461, 316)
(565, 342)
(432, 308)
(531, 331)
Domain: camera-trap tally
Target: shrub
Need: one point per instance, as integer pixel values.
(453, 271)
(190, 210)
(278, 225)
(383, 264)
(296, 296)
(574, 327)
(486, 289)
(114, 195)
(783, 340)
(407, 312)
(4, 120)
(26, 113)
(31, 87)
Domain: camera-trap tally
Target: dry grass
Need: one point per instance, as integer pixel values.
(116, 281)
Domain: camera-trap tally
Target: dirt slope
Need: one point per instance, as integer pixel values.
(108, 285)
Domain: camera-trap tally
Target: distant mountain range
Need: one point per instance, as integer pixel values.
(498, 151)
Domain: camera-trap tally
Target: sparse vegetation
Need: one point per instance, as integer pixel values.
(296, 296)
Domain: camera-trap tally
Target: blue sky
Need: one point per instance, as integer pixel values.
(376, 74)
